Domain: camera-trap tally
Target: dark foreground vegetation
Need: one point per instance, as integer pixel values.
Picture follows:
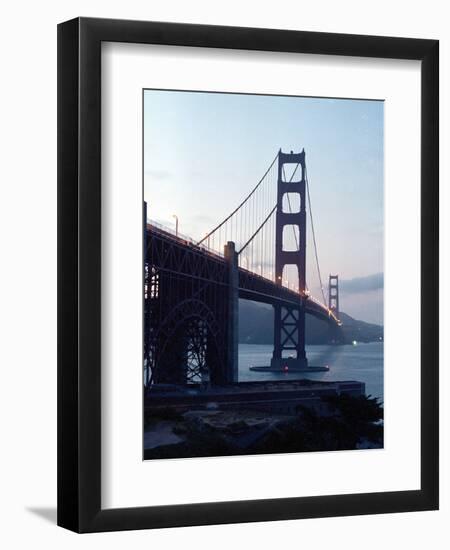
(345, 423)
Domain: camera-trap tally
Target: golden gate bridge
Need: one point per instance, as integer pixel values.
(257, 252)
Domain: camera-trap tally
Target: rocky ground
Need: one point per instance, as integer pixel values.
(352, 423)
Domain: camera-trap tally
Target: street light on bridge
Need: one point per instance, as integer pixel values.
(176, 224)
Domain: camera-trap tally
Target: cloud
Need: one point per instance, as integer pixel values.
(362, 284)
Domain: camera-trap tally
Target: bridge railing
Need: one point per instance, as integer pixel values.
(330, 313)
(180, 237)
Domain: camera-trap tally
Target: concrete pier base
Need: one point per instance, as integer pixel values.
(289, 363)
(289, 369)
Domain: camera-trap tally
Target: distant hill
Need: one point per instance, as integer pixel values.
(256, 326)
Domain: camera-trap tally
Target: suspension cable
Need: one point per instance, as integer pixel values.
(241, 204)
(314, 239)
(258, 230)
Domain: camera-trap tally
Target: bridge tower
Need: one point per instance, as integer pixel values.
(335, 335)
(289, 321)
(333, 294)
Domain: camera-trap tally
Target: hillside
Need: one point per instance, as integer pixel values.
(256, 326)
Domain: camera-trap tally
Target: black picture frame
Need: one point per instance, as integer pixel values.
(79, 274)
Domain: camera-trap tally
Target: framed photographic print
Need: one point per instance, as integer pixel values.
(248, 274)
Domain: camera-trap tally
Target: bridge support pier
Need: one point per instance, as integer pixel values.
(231, 257)
(289, 338)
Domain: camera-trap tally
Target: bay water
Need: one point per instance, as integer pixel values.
(360, 362)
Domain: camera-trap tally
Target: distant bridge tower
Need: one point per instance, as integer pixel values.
(335, 335)
(289, 321)
(333, 294)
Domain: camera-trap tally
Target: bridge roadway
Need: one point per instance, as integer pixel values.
(251, 285)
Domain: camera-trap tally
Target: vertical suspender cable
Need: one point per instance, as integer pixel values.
(314, 238)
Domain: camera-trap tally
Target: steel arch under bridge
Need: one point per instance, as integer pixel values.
(185, 308)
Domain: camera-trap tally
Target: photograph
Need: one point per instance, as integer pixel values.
(263, 274)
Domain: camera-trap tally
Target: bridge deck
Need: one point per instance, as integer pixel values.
(251, 285)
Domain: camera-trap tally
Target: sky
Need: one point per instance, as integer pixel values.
(203, 153)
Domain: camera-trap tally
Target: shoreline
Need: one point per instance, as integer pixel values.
(342, 422)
